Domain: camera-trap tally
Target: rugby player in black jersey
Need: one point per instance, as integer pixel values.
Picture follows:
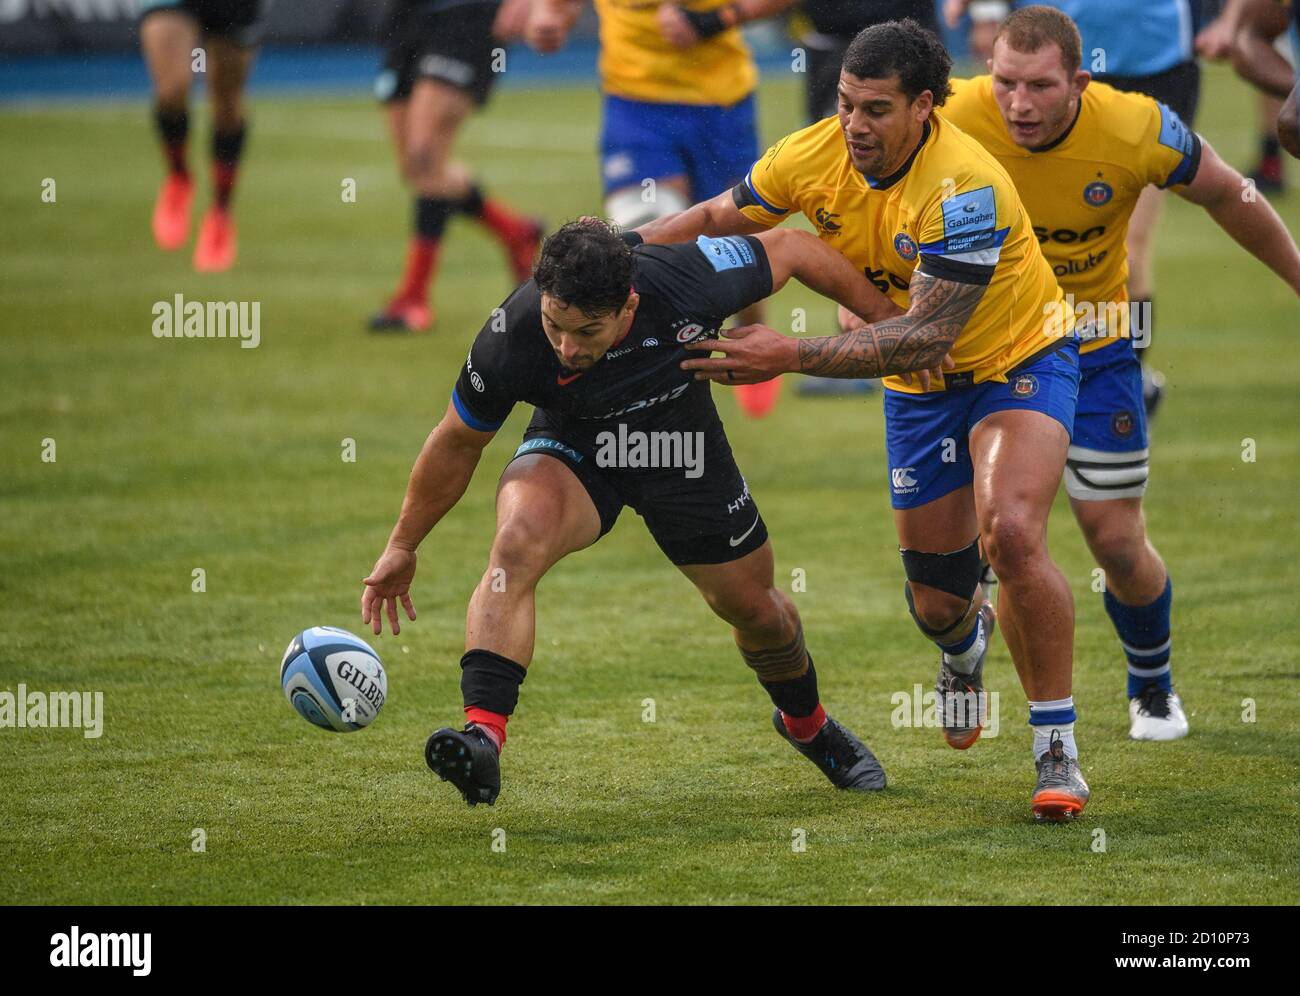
(595, 342)
(441, 60)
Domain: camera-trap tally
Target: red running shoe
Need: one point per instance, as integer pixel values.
(171, 212)
(214, 252)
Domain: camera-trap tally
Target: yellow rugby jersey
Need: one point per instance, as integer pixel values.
(638, 63)
(1081, 190)
(950, 209)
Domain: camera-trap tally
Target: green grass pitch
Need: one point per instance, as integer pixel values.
(176, 455)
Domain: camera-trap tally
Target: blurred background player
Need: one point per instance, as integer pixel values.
(170, 31)
(833, 25)
(1255, 56)
(679, 111)
(595, 341)
(1146, 48)
(438, 67)
(1080, 154)
(1215, 42)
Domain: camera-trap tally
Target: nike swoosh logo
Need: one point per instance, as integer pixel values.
(566, 381)
(737, 540)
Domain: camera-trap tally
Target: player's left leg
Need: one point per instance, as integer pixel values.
(1018, 446)
(706, 522)
(1138, 597)
(769, 636)
(1106, 477)
(229, 64)
(168, 37)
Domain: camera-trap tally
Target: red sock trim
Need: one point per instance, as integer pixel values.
(492, 723)
(505, 223)
(421, 258)
(804, 728)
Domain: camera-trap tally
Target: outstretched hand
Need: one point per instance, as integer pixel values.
(389, 582)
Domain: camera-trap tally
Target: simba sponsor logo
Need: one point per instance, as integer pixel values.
(182, 319)
(639, 450)
(60, 710)
(77, 950)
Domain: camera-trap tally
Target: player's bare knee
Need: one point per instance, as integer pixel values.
(752, 610)
(520, 551)
(937, 610)
(1012, 543)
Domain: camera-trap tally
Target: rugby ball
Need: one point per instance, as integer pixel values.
(333, 679)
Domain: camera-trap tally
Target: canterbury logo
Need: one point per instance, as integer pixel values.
(827, 220)
(903, 477)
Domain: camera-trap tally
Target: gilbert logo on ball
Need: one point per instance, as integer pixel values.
(333, 679)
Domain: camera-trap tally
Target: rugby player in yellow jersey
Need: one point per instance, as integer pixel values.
(678, 111)
(936, 223)
(1080, 155)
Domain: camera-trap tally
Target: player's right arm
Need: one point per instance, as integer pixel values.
(484, 395)
(439, 478)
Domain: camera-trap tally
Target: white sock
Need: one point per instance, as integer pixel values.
(964, 662)
(1043, 740)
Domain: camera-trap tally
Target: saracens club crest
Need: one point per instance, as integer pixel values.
(1024, 386)
(1097, 193)
(904, 246)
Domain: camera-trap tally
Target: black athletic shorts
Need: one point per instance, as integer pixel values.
(708, 518)
(1179, 88)
(445, 41)
(238, 21)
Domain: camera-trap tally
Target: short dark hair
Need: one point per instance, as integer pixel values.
(905, 49)
(1030, 28)
(587, 265)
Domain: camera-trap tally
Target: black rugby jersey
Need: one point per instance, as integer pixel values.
(686, 292)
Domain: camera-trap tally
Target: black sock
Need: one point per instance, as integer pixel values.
(797, 698)
(1269, 147)
(472, 203)
(228, 146)
(490, 681)
(431, 214)
(173, 129)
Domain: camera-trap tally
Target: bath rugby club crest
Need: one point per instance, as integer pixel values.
(904, 246)
(1097, 193)
(1024, 386)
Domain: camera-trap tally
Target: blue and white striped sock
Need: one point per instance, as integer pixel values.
(963, 655)
(1144, 634)
(1055, 715)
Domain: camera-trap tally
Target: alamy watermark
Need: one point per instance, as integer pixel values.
(181, 319)
(1100, 320)
(651, 450)
(919, 708)
(59, 710)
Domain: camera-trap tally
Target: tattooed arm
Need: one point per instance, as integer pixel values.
(917, 340)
